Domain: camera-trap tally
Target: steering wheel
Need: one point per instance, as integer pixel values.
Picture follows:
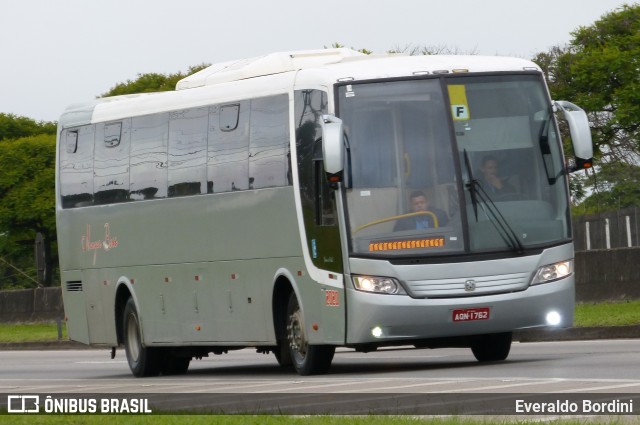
(398, 217)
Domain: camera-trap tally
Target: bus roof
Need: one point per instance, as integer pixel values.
(274, 63)
(267, 74)
(342, 64)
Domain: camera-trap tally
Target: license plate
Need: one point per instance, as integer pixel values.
(471, 314)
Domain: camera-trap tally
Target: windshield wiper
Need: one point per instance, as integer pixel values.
(477, 192)
(470, 185)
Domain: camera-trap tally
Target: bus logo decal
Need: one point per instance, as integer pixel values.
(106, 244)
(470, 285)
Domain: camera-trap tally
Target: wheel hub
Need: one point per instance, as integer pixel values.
(133, 340)
(295, 334)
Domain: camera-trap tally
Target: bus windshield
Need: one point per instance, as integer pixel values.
(453, 165)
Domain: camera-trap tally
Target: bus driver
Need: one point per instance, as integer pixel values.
(420, 203)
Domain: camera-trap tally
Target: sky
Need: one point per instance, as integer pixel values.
(54, 53)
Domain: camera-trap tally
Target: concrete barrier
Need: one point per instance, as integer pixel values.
(31, 305)
(608, 274)
(601, 275)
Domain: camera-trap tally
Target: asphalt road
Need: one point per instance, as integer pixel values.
(609, 366)
(385, 380)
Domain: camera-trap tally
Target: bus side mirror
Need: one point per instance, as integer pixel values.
(580, 134)
(332, 147)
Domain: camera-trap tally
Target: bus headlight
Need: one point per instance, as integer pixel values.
(552, 272)
(379, 285)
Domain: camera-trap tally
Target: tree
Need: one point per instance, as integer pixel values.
(27, 201)
(422, 49)
(152, 82)
(615, 186)
(24, 170)
(599, 71)
(413, 49)
(13, 127)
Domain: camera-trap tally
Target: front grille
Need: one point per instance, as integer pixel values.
(461, 287)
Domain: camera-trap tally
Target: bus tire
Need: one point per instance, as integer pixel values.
(493, 347)
(173, 364)
(143, 361)
(283, 354)
(306, 359)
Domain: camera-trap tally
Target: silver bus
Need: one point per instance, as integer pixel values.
(303, 201)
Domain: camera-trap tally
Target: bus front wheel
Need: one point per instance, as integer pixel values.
(143, 361)
(493, 347)
(307, 359)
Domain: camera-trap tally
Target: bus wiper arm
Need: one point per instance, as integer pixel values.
(477, 192)
(501, 224)
(471, 184)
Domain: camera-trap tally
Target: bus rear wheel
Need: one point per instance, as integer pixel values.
(492, 347)
(306, 359)
(143, 361)
(173, 364)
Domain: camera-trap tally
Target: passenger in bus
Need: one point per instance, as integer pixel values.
(490, 179)
(420, 203)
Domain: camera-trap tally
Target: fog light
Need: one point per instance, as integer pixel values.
(376, 332)
(554, 318)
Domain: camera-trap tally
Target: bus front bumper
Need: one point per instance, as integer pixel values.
(391, 319)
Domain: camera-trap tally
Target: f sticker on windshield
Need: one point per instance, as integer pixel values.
(349, 92)
(459, 103)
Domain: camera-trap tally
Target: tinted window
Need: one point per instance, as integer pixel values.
(318, 206)
(71, 141)
(111, 162)
(229, 117)
(221, 148)
(268, 163)
(228, 157)
(149, 137)
(113, 134)
(76, 167)
(188, 152)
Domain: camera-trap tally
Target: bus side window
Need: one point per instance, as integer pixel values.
(188, 152)
(76, 167)
(228, 148)
(229, 117)
(268, 165)
(149, 139)
(111, 162)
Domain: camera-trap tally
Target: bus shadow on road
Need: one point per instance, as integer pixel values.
(345, 366)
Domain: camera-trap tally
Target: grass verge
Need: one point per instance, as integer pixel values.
(27, 332)
(600, 314)
(270, 420)
(608, 314)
